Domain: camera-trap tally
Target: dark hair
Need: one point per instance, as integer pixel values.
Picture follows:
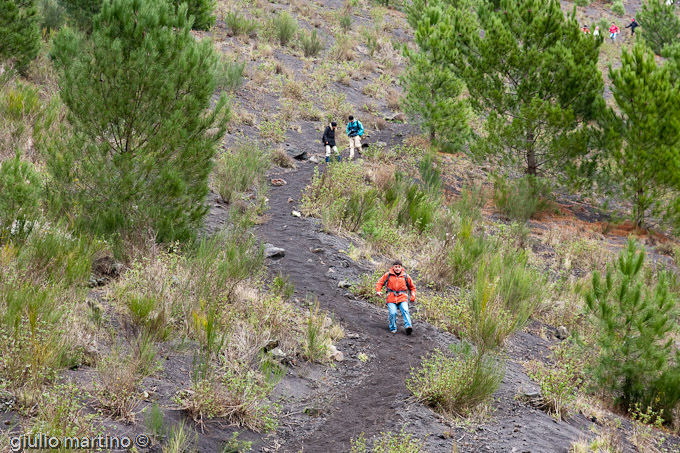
(397, 263)
(351, 117)
(333, 123)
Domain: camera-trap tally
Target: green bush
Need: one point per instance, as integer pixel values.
(521, 199)
(660, 24)
(618, 8)
(285, 27)
(238, 24)
(143, 127)
(21, 188)
(311, 44)
(634, 326)
(469, 250)
(454, 385)
(240, 169)
(19, 32)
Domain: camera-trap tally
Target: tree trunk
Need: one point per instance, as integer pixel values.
(532, 166)
(639, 208)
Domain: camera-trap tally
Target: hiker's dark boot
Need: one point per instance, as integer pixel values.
(409, 330)
(327, 159)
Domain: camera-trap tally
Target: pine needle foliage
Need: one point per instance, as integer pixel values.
(634, 324)
(19, 32)
(142, 133)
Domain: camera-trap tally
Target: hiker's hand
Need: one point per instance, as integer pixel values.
(378, 293)
(413, 299)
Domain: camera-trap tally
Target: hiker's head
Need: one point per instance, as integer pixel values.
(351, 118)
(397, 266)
(334, 124)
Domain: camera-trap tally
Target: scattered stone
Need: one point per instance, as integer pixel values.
(313, 411)
(336, 355)
(278, 354)
(562, 333)
(344, 284)
(314, 159)
(316, 250)
(297, 154)
(290, 200)
(396, 118)
(296, 214)
(271, 345)
(278, 182)
(274, 252)
(145, 395)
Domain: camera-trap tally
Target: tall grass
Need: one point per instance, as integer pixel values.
(230, 76)
(285, 26)
(311, 44)
(455, 384)
(521, 199)
(240, 25)
(240, 169)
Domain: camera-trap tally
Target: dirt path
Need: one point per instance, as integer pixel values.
(373, 404)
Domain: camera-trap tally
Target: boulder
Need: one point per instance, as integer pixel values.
(273, 252)
(344, 284)
(297, 154)
(314, 159)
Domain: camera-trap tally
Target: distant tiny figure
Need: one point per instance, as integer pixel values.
(398, 284)
(585, 29)
(613, 31)
(354, 131)
(632, 25)
(328, 140)
(596, 32)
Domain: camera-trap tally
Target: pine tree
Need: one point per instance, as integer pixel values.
(532, 72)
(203, 12)
(659, 24)
(82, 12)
(633, 326)
(19, 32)
(645, 140)
(138, 93)
(433, 92)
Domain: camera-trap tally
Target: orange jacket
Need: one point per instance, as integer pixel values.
(397, 284)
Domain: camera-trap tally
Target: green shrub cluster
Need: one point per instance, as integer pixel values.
(311, 44)
(240, 169)
(238, 24)
(521, 199)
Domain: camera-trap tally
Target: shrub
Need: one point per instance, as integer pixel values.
(372, 40)
(559, 387)
(61, 413)
(430, 174)
(180, 440)
(120, 172)
(281, 158)
(520, 199)
(285, 27)
(634, 325)
(454, 385)
(311, 44)
(116, 393)
(618, 8)
(81, 12)
(20, 186)
(240, 169)
(273, 129)
(239, 25)
(153, 420)
(582, 2)
(19, 32)
(230, 77)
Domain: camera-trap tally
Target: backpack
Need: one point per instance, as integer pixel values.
(396, 293)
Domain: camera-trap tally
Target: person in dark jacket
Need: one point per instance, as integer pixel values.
(632, 25)
(328, 140)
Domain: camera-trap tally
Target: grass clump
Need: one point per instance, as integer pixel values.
(239, 169)
(311, 44)
(521, 199)
(230, 75)
(388, 442)
(285, 26)
(20, 185)
(456, 384)
(240, 25)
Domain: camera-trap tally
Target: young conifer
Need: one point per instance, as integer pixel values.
(138, 92)
(645, 133)
(634, 323)
(659, 24)
(19, 32)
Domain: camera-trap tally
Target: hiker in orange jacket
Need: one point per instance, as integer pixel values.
(397, 284)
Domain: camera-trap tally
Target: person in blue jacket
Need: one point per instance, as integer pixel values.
(354, 131)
